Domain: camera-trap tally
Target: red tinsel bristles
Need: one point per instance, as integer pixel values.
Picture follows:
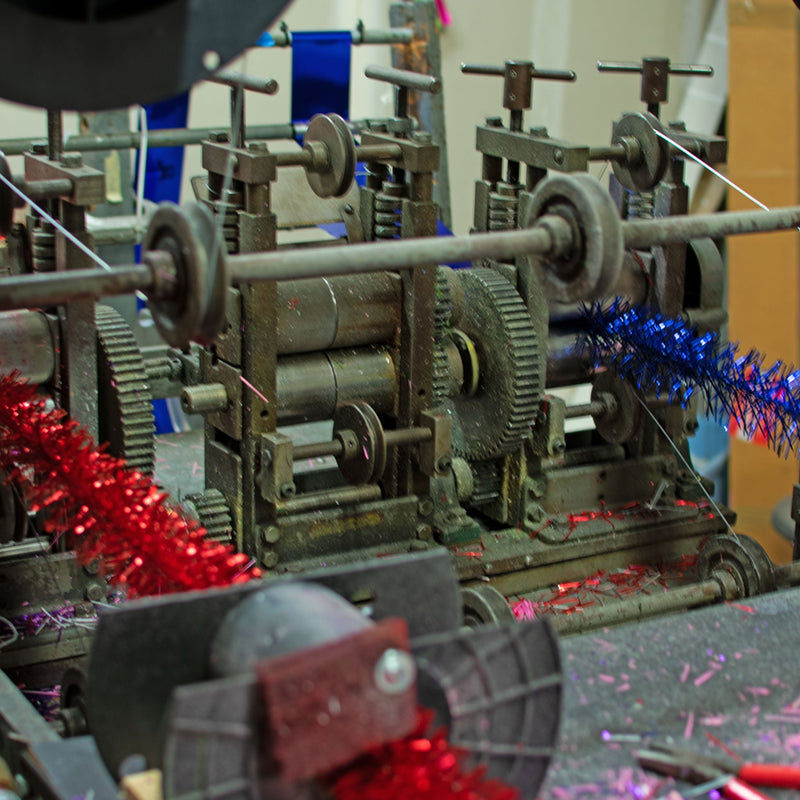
(117, 516)
(422, 766)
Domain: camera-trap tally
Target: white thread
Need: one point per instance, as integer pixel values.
(711, 169)
(142, 166)
(57, 225)
(689, 467)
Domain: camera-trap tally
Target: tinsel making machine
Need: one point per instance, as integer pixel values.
(447, 476)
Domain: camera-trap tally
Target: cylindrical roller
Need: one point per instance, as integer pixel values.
(329, 313)
(311, 386)
(26, 345)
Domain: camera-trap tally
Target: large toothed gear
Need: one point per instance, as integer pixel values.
(211, 510)
(125, 401)
(497, 417)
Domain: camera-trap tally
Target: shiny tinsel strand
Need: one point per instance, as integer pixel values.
(669, 357)
(116, 516)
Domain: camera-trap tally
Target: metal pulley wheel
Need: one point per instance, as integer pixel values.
(115, 53)
(485, 605)
(334, 134)
(591, 269)
(622, 418)
(363, 459)
(6, 198)
(195, 310)
(740, 557)
(644, 170)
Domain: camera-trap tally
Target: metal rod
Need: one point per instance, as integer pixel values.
(239, 80)
(38, 290)
(367, 152)
(55, 135)
(359, 36)
(332, 498)
(404, 77)
(378, 256)
(172, 137)
(52, 288)
(672, 230)
(42, 190)
(613, 152)
(636, 608)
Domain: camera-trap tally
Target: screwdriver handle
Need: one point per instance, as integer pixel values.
(777, 775)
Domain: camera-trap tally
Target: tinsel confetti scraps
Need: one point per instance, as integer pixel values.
(671, 358)
(117, 516)
(423, 766)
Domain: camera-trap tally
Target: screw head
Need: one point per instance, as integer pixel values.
(395, 671)
(269, 559)
(444, 464)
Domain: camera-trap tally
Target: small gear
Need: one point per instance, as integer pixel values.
(211, 510)
(124, 399)
(487, 480)
(495, 419)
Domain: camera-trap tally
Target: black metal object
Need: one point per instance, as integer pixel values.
(498, 689)
(109, 55)
(144, 649)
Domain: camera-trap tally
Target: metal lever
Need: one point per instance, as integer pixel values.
(404, 80)
(655, 72)
(518, 76)
(238, 80)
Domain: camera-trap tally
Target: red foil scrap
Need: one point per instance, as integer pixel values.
(573, 597)
(117, 516)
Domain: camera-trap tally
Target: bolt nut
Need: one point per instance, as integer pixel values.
(95, 592)
(424, 532)
(494, 122)
(421, 137)
(257, 147)
(220, 137)
(269, 558)
(425, 507)
(270, 533)
(395, 671)
(287, 490)
(39, 149)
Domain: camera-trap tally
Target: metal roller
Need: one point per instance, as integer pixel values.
(27, 345)
(331, 313)
(311, 386)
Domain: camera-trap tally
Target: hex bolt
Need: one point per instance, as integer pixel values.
(424, 532)
(425, 507)
(444, 464)
(395, 671)
(95, 592)
(270, 533)
(287, 490)
(269, 559)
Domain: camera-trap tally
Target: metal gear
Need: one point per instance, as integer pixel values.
(496, 418)
(211, 510)
(487, 480)
(124, 399)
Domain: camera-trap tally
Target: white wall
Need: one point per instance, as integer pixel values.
(561, 34)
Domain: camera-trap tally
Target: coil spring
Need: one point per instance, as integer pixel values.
(230, 227)
(503, 205)
(43, 246)
(389, 210)
(640, 206)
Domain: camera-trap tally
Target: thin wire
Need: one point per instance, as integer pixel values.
(56, 224)
(689, 467)
(711, 169)
(14, 633)
(142, 166)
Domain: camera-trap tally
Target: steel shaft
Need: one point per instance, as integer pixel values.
(41, 290)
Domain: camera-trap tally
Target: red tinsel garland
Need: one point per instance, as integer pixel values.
(118, 516)
(422, 766)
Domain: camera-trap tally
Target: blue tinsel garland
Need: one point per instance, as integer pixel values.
(669, 357)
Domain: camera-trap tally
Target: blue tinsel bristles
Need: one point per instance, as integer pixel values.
(669, 357)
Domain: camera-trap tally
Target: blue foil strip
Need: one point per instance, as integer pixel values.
(320, 74)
